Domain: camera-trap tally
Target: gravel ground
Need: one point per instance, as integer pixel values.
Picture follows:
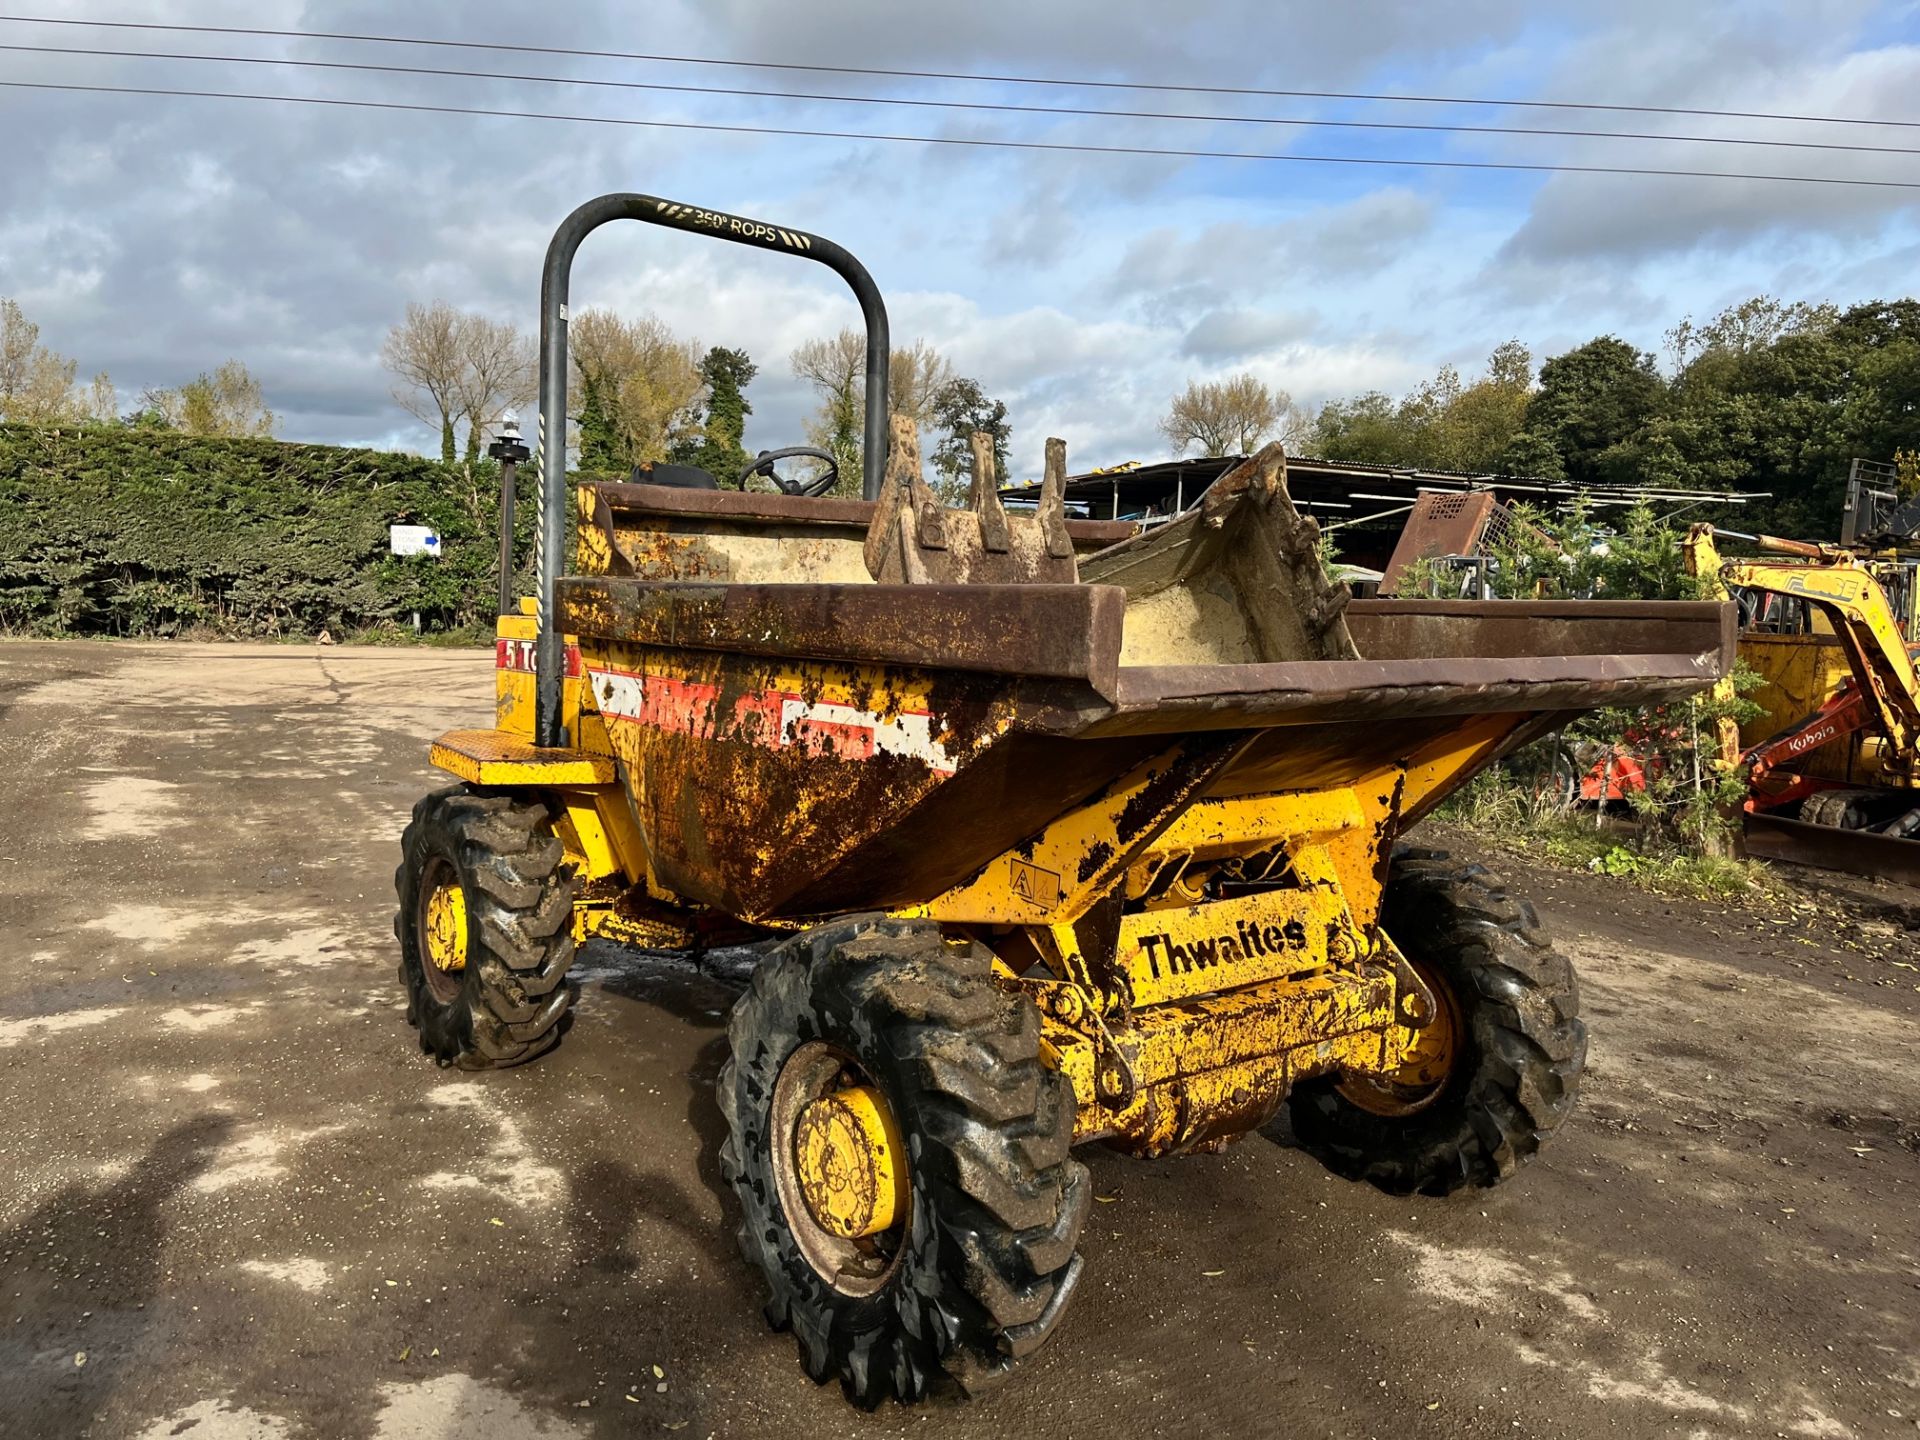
(240, 1203)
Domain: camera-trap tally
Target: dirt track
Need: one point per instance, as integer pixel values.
(235, 1187)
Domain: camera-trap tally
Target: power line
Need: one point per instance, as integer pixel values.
(963, 105)
(1058, 82)
(1051, 145)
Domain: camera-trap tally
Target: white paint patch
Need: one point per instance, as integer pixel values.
(37, 1027)
(199, 1084)
(460, 1405)
(774, 719)
(217, 1420)
(851, 732)
(458, 1097)
(510, 1168)
(618, 693)
(302, 1272)
(129, 807)
(1488, 1280)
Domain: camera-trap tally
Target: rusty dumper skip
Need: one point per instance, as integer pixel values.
(1077, 838)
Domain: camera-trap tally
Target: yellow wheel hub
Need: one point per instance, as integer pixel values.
(1429, 1055)
(445, 930)
(850, 1165)
(1426, 1063)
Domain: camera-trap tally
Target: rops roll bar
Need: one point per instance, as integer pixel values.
(550, 539)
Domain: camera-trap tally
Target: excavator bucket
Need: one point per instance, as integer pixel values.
(1237, 579)
(915, 540)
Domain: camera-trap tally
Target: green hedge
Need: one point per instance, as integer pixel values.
(119, 530)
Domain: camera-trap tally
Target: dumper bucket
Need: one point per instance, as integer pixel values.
(807, 749)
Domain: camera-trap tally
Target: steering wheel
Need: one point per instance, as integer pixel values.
(819, 485)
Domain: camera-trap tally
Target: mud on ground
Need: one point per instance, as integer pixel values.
(238, 1202)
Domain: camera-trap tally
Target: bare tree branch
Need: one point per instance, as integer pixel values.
(1228, 417)
(424, 353)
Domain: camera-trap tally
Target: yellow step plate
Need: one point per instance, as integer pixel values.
(492, 757)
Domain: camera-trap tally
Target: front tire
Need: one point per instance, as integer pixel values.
(485, 928)
(1498, 1077)
(977, 1262)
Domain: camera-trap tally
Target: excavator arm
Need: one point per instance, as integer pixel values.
(1835, 582)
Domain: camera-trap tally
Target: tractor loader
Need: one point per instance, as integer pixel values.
(1054, 848)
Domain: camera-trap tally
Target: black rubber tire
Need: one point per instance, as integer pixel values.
(1518, 1057)
(1853, 809)
(987, 1263)
(513, 994)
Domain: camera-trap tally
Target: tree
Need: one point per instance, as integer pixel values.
(1227, 417)
(19, 339)
(717, 446)
(640, 387)
(1765, 402)
(1767, 396)
(101, 404)
(1531, 454)
(1367, 430)
(1592, 398)
(1751, 325)
(424, 352)
(961, 408)
(226, 403)
(456, 368)
(1876, 324)
(1478, 424)
(1441, 424)
(836, 367)
(36, 385)
(601, 448)
(916, 374)
(498, 373)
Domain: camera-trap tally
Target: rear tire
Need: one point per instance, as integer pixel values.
(1518, 1042)
(496, 995)
(976, 1270)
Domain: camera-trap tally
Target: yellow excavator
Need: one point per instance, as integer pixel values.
(1834, 759)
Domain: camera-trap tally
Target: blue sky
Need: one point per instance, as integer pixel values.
(157, 237)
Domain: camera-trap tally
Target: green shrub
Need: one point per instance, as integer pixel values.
(121, 530)
(1690, 799)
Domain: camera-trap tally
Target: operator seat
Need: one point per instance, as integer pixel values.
(676, 477)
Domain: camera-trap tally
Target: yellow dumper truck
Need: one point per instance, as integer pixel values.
(1072, 838)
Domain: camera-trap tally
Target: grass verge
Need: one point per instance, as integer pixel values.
(1509, 817)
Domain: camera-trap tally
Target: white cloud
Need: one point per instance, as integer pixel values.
(1222, 335)
(1619, 220)
(156, 237)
